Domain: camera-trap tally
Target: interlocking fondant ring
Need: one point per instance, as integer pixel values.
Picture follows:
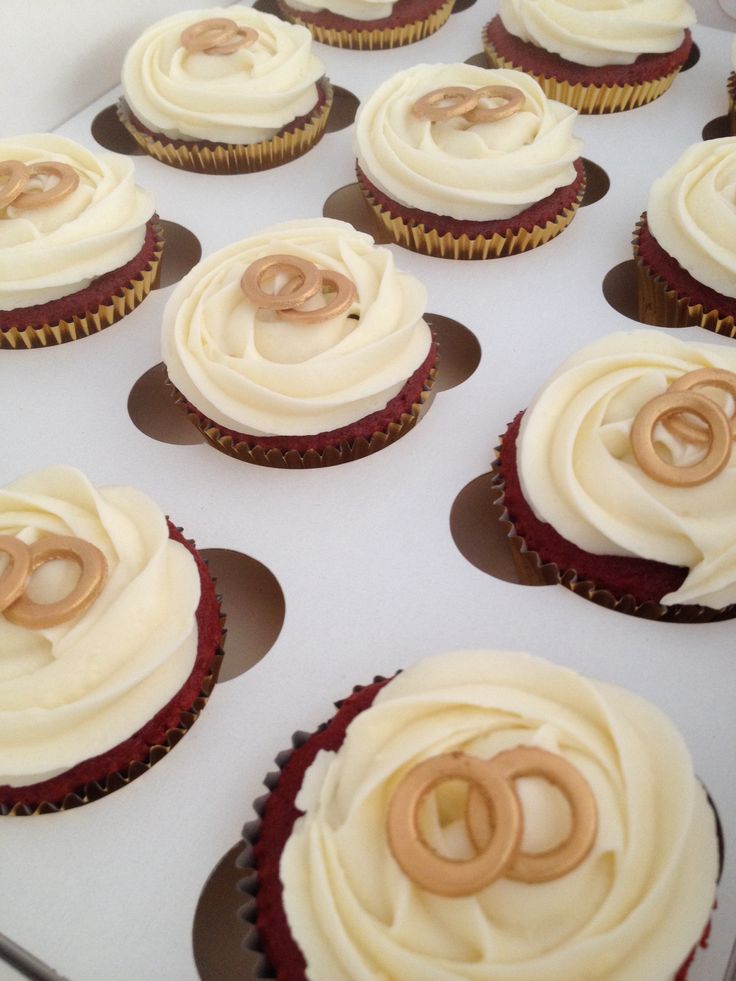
(465, 102)
(669, 404)
(17, 175)
(495, 821)
(15, 604)
(304, 281)
(700, 378)
(218, 36)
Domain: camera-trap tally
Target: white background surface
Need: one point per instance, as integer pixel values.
(363, 552)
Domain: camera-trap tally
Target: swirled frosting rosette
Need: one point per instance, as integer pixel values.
(342, 385)
(242, 91)
(86, 697)
(467, 188)
(79, 247)
(600, 58)
(684, 242)
(586, 508)
(332, 901)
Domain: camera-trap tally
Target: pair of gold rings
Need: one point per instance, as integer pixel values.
(494, 818)
(304, 281)
(218, 36)
(458, 100)
(14, 176)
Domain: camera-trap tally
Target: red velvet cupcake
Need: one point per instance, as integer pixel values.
(122, 663)
(342, 785)
(464, 162)
(300, 347)
(523, 38)
(81, 243)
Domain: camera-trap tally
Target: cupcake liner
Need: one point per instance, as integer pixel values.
(93, 790)
(662, 306)
(90, 321)
(375, 38)
(234, 158)
(534, 570)
(588, 98)
(246, 448)
(731, 86)
(411, 229)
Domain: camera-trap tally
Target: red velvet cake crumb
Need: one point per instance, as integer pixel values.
(404, 12)
(531, 58)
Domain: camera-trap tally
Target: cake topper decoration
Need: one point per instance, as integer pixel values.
(672, 409)
(218, 36)
(24, 559)
(304, 282)
(494, 819)
(464, 102)
(14, 178)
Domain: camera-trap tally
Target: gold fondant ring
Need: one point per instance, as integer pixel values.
(13, 178)
(531, 761)
(700, 378)
(304, 281)
(13, 579)
(217, 36)
(67, 181)
(668, 404)
(24, 612)
(421, 863)
(342, 299)
(513, 101)
(461, 99)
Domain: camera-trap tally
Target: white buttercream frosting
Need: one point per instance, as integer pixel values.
(692, 213)
(631, 912)
(244, 97)
(354, 9)
(50, 252)
(474, 171)
(258, 374)
(599, 32)
(578, 472)
(73, 691)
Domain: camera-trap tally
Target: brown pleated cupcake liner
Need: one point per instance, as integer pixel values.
(731, 88)
(662, 306)
(92, 321)
(233, 158)
(96, 789)
(330, 456)
(429, 241)
(534, 571)
(375, 39)
(588, 99)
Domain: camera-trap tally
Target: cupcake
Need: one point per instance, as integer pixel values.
(468, 163)
(731, 88)
(605, 57)
(79, 242)
(371, 860)
(618, 480)
(224, 90)
(301, 346)
(103, 670)
(685, 242)
(368, 24)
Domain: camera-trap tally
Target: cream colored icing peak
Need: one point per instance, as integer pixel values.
(244, 97)
(367, 10)
(578, 472)
(692, 213)
(631, 912)
(71, 692)
(599, 32)
(478, 172)
(265, 376)
(50, 252)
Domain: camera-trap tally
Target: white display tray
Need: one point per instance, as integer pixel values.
(371, 575)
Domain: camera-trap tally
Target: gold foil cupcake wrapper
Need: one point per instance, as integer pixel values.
(533, 571)
(374, 39)
(234, 158)
(91, 322)
(662, 306)
(342, 452)
(589, 99)
(429, 241)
